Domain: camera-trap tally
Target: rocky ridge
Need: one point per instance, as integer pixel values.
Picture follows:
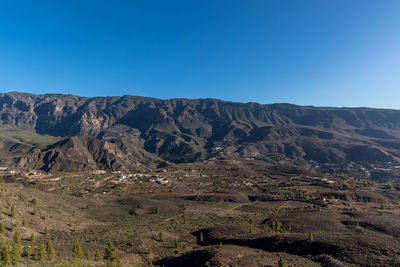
(121, 132)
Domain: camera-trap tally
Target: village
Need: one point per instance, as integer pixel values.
(190, 179)
(254, 197)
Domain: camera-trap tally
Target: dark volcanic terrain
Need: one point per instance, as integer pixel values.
(129, 132)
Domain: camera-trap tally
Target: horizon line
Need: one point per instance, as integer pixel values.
(206, 98)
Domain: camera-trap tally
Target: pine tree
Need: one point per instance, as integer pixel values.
(27, 252)
(24, 224)
(201, 237)
(177, 247)
(12, 212)
(281, 262)
(97, 256)
(50, 251)
(40, 256)
(16, 249)
(17, 238)
(109, 252)
(46, 231)
(391, 187)
(88, 256)
(310, 236)
(161, 236)
(5, 254)
(77, 251)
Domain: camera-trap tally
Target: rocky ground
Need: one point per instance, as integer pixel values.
(220, 213)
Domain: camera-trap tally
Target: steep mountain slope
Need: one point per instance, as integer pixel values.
(16, 143)
(85, 153)
(182, 130)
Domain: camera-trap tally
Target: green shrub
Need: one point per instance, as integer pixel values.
(274, 227)
(161, 237)
(77, 251)
(282, 262)
(40, 256)
(5, 254)
(50, 251)
(109, 252)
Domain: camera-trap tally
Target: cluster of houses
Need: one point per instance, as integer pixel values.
(238, 184)
(331, 200)
(12, 172)
(123, 177)
(138, 177)
(159, 180)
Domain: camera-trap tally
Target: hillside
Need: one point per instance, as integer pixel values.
(133, 181)
(16, 143)
(215, 213)
(181, 130)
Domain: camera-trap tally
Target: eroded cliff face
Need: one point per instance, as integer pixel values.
(182, 130)
(45, 114)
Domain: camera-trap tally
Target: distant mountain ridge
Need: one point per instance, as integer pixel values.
(120, 132)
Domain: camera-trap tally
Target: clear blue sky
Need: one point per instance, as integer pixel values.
(318, 52)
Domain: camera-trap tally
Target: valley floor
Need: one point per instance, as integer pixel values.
(215, 213)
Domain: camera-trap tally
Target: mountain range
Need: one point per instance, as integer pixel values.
(56, 132)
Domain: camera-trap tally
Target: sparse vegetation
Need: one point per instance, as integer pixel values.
(310, 236)
(88, 255)
(109, 253)
(12, 212)
(40, 254)
(281, 262)
(161, 237)
(50, 251)
(274, 227)
(77, 251)
(201, 237)
(97, 256)
(151, 224)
